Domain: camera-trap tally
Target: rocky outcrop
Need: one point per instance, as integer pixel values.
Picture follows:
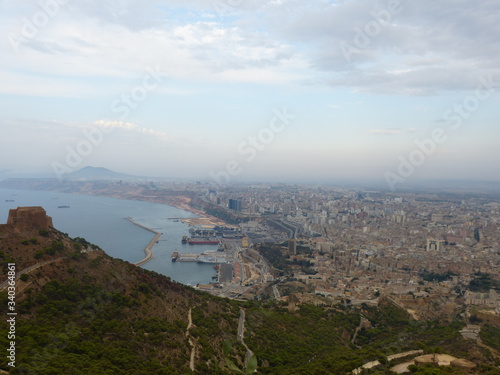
(26, 219)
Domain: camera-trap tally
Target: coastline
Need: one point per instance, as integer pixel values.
(182, 203)
(173, 224)
(180, 200)
(149, 247)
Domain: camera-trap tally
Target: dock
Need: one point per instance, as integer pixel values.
(148, 249)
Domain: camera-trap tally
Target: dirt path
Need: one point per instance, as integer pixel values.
(5, 284)
(191, 342)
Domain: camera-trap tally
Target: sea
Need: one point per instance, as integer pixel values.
(102, 221)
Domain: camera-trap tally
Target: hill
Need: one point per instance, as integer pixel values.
(80, 311)
(99, 173)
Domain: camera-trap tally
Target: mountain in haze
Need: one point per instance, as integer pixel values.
(99, 173)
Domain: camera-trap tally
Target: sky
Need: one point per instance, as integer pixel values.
(393, 91)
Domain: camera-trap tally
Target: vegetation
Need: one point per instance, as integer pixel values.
(282, 263)
(483, 282)
(490, 336)
(439, 277)
(91, 314)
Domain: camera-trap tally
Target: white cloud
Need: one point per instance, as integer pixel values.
(426, 48)
(130, 127)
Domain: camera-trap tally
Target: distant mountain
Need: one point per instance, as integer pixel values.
(99, 173)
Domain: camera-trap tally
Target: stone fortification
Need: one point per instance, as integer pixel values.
(25, 219)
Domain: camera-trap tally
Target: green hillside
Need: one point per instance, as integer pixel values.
(83, 312)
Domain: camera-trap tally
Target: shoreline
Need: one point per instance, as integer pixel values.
(149, 247)
(188, 216)
(180, 202)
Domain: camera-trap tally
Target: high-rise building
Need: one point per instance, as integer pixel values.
(292, 246)
(234, 204)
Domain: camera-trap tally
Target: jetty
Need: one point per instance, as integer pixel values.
(148, 249)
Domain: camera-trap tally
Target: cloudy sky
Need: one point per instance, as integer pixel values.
(321, 90)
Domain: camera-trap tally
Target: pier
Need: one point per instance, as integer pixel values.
(148, 249)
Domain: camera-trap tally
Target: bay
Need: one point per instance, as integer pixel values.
(101, 221)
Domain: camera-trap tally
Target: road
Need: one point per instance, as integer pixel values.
(276, 292)
(241, 326)
(241, 332)
(29, 269)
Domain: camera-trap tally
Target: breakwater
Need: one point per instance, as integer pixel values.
(148, 249)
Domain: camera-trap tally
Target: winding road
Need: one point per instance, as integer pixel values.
(29, 269)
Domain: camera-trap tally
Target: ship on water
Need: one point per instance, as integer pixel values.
(212, 256)
(202, 236)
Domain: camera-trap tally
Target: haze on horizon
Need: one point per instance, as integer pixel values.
(317, 90)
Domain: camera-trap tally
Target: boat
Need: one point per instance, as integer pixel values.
(175, 255)
(184, 239)
(211, 259)
(10, 200)
(62, 206)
